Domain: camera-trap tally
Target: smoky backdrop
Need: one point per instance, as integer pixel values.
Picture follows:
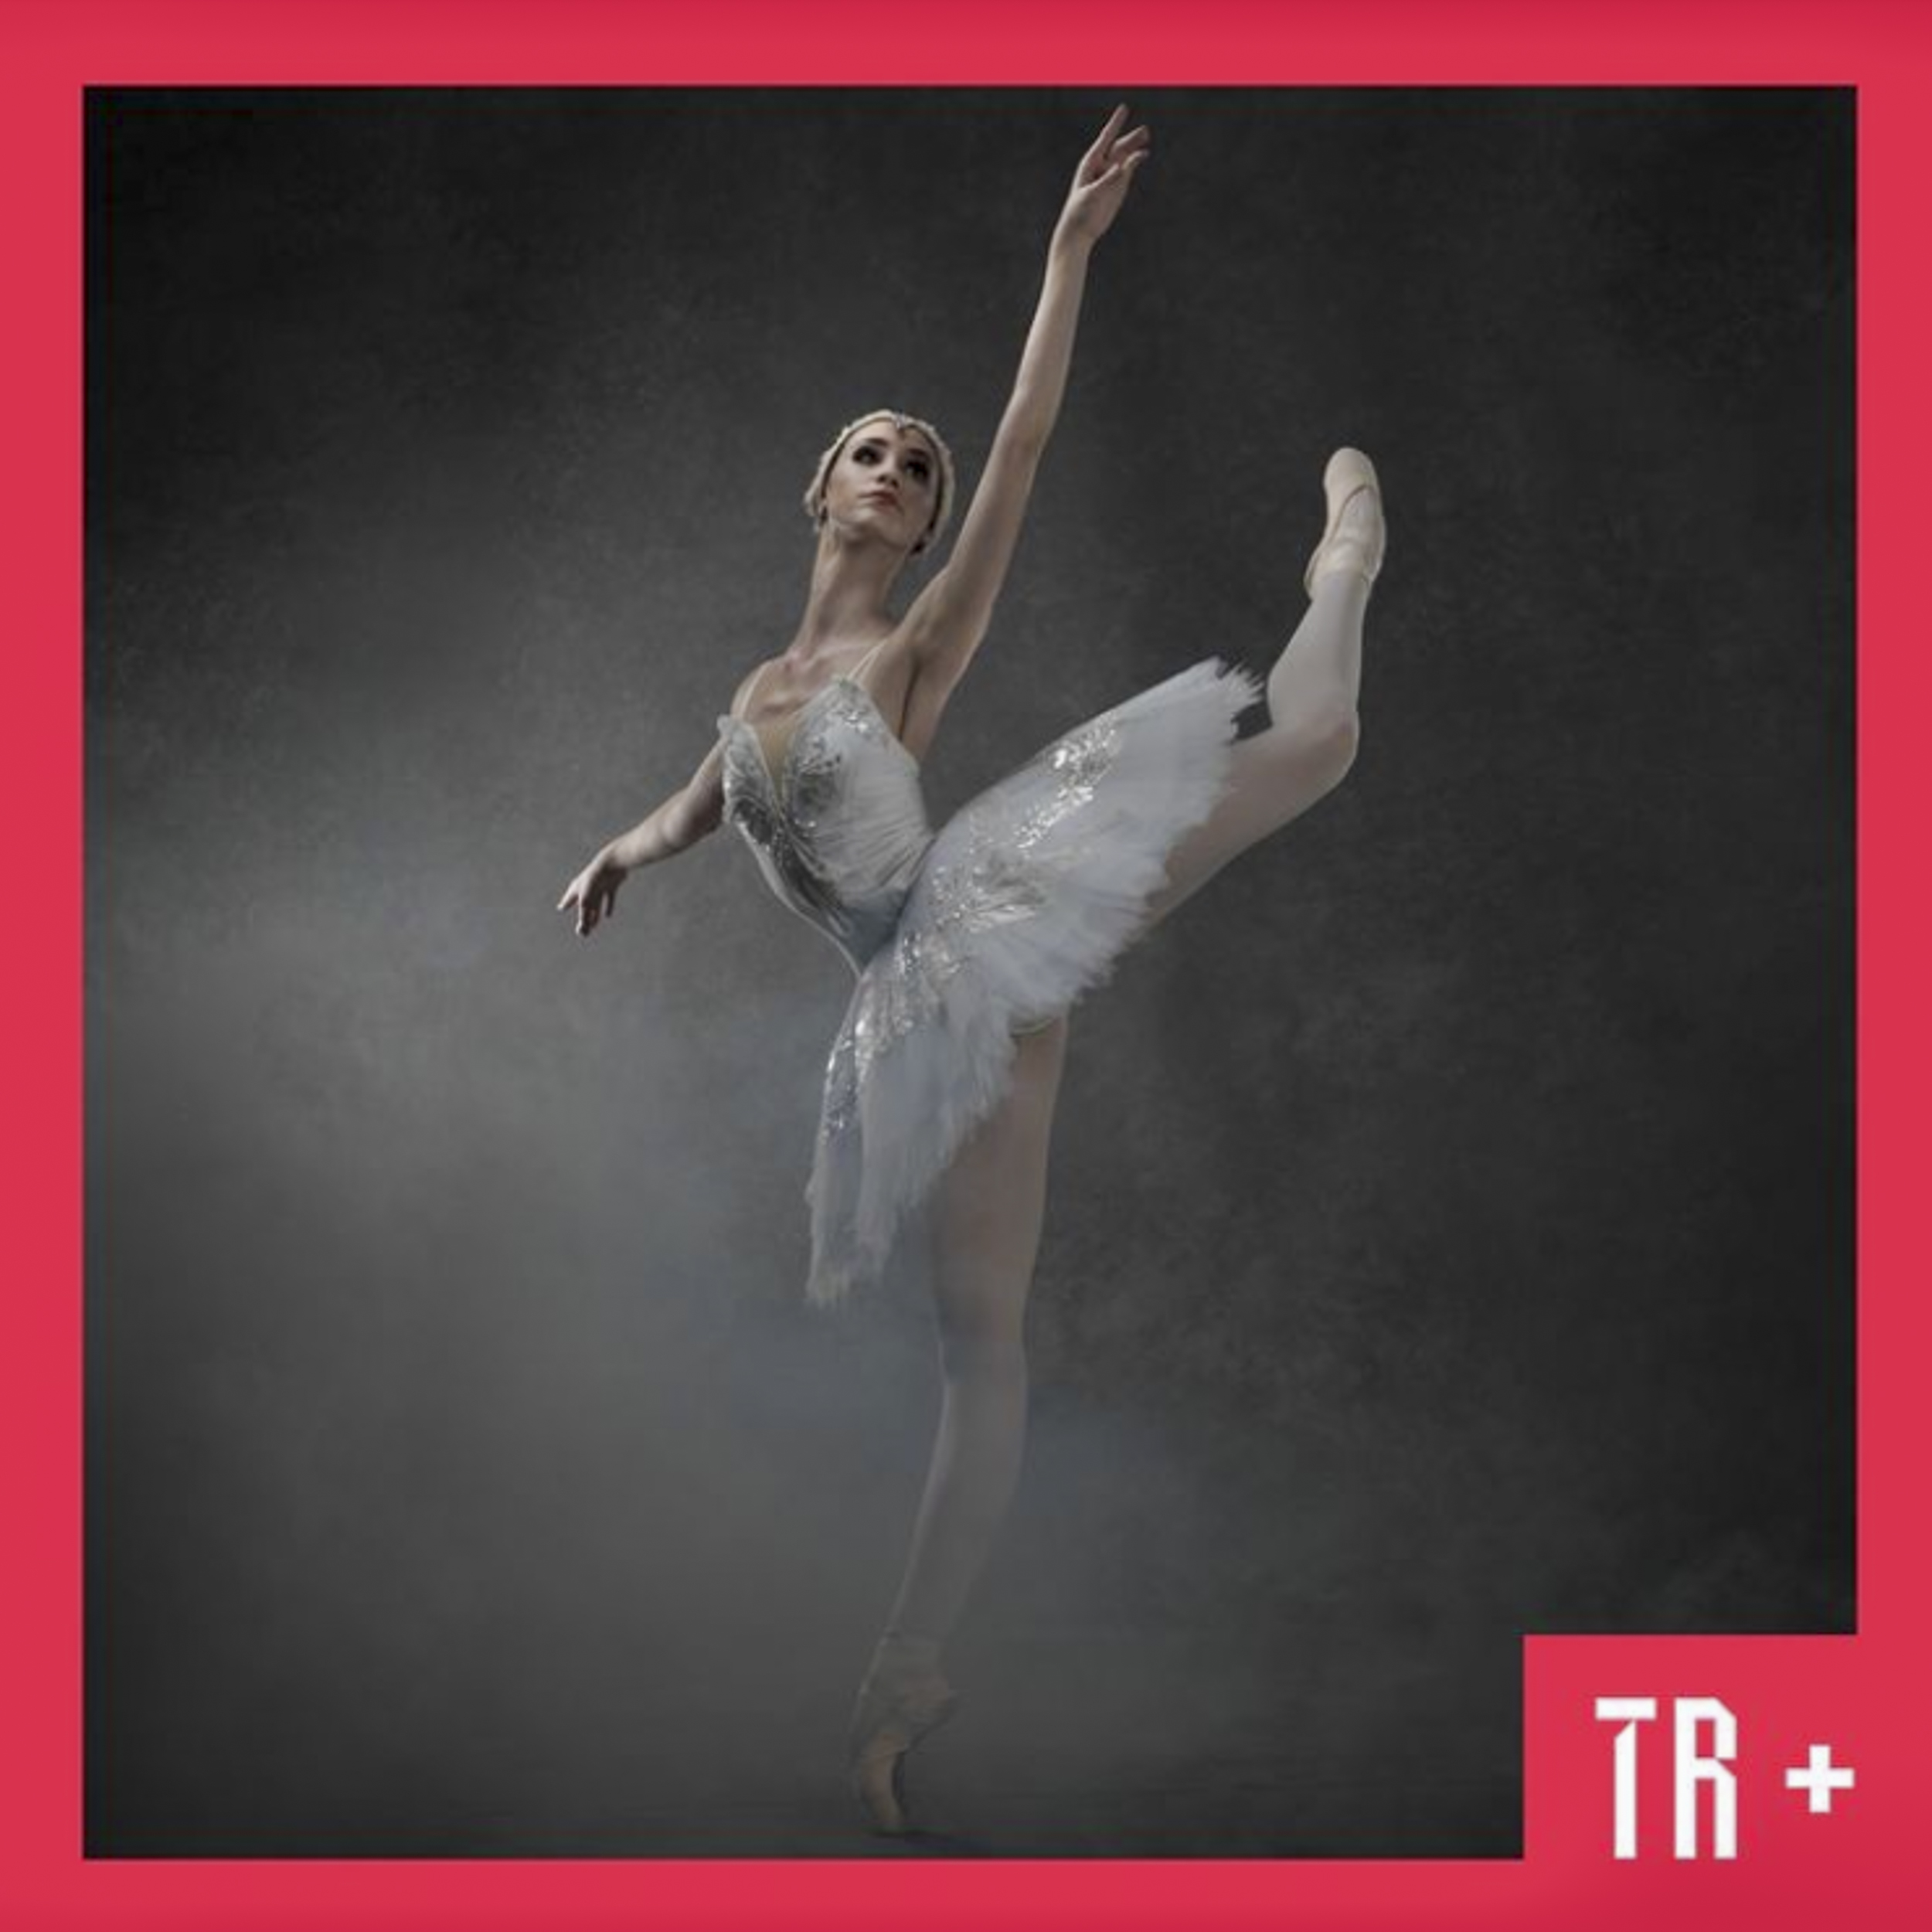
(1451, 1228)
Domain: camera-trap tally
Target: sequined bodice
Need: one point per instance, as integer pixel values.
(839, 829)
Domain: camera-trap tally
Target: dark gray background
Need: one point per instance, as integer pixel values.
(1451, 1224)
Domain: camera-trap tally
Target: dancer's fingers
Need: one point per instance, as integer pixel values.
(1091, 159)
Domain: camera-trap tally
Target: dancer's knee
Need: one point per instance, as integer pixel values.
(1315, 752)
(1296, 764)
(986, 1349)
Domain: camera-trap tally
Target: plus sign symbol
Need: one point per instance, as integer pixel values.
(1820, 1779)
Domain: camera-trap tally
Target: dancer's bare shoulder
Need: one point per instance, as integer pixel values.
(737, 707)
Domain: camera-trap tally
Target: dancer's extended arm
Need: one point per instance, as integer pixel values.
(949, 617)
(693, 811)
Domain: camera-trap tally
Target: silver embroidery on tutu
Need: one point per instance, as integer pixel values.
(1020, 904)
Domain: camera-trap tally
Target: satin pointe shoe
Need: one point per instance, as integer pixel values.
(904, 1699)
(1354, 539)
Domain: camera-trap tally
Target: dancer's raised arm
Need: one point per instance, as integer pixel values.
(949, 617)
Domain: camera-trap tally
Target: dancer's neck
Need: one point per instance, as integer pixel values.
(847, 603)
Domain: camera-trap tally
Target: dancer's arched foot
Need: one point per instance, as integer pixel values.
(1354, 539)
(904, 1698)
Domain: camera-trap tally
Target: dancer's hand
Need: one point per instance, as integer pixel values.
(1101, 181)
(593, 892)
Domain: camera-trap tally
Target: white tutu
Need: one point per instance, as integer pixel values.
(1022, 902)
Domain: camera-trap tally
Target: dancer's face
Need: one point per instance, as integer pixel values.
(887, 479)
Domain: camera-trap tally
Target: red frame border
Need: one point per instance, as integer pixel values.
(1866, 1688)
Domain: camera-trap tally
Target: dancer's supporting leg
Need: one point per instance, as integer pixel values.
(987, 1212)
(987, 1209)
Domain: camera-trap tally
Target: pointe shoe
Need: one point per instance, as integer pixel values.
(899, 1704)
(1354, 539)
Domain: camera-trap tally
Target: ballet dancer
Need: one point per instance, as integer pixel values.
(971, 943)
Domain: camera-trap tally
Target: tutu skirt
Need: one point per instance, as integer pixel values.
(1026, 898)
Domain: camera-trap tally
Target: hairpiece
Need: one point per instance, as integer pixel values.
(814, 498)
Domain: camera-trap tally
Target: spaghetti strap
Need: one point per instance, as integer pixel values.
(853, 673)
(738, 710)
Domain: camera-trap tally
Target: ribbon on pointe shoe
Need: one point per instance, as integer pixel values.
(1354, 538)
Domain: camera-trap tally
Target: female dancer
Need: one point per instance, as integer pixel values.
(971, 945)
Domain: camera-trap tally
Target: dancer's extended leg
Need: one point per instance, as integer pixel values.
(1313, 692)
